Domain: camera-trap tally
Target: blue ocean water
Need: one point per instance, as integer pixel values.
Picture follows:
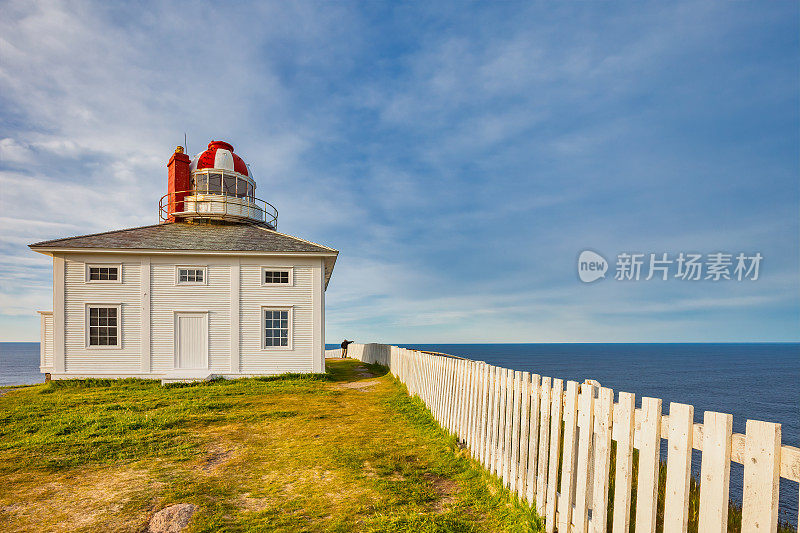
(19, 363)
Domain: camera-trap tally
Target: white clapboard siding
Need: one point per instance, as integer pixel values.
(254, 296)
(166, 297)
(715, 472)
(761, 476)
(78, 358)
(649, 454)
(46, 361)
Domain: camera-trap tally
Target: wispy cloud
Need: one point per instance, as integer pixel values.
(459, 167)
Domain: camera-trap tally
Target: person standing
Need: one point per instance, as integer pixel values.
(344, 347)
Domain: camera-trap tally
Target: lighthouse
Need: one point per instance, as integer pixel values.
(210, 289)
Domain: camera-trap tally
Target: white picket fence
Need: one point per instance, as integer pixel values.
(514, 423)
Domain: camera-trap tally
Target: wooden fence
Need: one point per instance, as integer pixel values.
(532, 431)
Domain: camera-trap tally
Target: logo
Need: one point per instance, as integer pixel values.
(664, 266)
(591, 266)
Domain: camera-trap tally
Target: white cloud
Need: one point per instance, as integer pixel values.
(452, 170)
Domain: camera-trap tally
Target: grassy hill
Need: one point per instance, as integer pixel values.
(347, 451)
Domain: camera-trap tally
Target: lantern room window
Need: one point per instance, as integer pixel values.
(224, 182)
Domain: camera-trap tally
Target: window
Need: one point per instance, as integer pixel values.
(191, 275)
(103, 325)
(277, 276)
(277, 328)
(103, 273)
(225, 182)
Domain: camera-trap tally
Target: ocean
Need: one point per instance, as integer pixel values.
(19, 363)
(749, 381)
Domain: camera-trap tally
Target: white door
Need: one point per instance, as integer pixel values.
(191, 340)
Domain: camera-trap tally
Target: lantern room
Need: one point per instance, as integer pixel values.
(216, 185)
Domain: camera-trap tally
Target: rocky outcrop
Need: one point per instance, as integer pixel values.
(172, 519)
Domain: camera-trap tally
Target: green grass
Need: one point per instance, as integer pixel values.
(269, 454)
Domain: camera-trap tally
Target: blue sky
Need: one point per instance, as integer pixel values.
(459, 155)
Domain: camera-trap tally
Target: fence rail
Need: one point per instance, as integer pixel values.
(527, 429)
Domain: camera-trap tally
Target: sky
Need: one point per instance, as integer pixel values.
(460, 156)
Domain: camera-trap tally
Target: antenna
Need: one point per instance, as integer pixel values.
(186, 148)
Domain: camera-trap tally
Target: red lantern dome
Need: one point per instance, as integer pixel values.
(219, 154)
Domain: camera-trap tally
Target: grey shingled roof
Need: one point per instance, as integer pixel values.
(183, 236)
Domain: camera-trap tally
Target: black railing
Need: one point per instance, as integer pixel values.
(216, 205)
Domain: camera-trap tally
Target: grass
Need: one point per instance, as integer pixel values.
(295, 452)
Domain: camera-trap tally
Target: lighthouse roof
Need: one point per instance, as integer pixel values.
(181, 236)
(219, 154)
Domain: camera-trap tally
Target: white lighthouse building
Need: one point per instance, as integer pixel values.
(212, 290)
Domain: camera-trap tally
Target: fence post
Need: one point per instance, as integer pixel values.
(555, 440)
(569, 456)
(762, 452)
(524, 426)
(624, 423)
(487, 460)
(507, 425)
(480, 407)
(513, 470)
(484, 418)
(473, 407)
(649, 453)
(533, 440)
(583, 472)
(679, 467)
(496, 420)
(462, 432)
(501, 423)
(715, 472)
(544, 447)
(453, 408)
(604, 410)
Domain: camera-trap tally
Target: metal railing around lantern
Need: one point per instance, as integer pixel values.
(216, 205)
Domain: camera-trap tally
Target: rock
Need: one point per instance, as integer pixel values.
(172, 519)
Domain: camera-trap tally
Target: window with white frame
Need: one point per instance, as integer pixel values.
(103, 325)
(103, 273)
(191, 275)
(277, 328)
(276, 276)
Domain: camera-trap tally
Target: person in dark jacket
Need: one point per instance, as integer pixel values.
(344, 347)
